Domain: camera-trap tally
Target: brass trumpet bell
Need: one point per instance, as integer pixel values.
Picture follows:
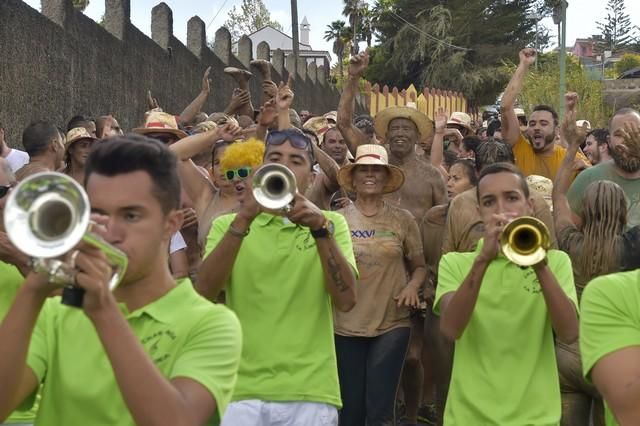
(46, 216)
(525, 241)
(274, 187)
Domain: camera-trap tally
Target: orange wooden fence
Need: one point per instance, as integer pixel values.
(428, 101)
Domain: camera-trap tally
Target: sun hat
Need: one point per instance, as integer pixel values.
(519, 112)
(160, 122)
(76, 134)
(410, 112)
(376, 155)
(586, 123)
(331, 115)
(461, 119)
(319, 126)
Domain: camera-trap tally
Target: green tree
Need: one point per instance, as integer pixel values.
(340, 34)
(616, 29)
(458, 45)
(541, 87)
(81, 5)
(627, 62)
(252, 16)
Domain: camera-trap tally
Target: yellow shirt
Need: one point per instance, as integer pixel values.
(531, 163)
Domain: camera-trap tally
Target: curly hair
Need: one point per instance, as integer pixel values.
(240, 154)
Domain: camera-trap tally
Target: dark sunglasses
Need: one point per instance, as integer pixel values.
(242, 172)
(4, 190)
(296, 138)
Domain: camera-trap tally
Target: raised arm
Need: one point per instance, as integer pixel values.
(437, 148)
(196, 105)
(510, 125)
(573, 137)
(352, 135)
(284, 99)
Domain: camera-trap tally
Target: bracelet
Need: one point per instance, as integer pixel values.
(233, 231)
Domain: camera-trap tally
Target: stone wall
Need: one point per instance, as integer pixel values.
(622, 93)
(59, 63)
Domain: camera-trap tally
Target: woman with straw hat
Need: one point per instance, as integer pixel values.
(372, 338)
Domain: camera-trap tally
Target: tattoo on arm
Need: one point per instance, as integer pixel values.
(334, 271)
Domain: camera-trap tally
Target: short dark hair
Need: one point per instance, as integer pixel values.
(600, 135)
(78, 121)
(493, 169)
(493, 126)
(130, 153)
(37, 137)
(549, 109)
(365, 124)
(471, 143)
(493, 152)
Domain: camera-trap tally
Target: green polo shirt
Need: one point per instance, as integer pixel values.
(184, 334)
(610, 319)
(504, 367)
(10, 281)
(277, 289)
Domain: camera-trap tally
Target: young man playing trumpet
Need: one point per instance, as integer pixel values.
(152, 351)
(503, 317)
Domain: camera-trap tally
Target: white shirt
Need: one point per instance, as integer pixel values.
(17, 159)
(177, 243)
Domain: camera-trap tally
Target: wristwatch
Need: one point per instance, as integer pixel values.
(325, 231)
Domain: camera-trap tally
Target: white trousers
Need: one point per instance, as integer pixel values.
(254, 412)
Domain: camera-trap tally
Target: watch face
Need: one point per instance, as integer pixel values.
(330, 227)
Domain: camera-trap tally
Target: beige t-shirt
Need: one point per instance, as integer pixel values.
(381, 245)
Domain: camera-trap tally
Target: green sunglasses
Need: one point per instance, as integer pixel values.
(242, 173)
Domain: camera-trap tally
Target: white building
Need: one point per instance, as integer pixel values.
(279, 40)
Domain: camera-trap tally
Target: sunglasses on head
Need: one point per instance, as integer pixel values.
(4, 190)
(296, 138)
(164, 138)
(242, 173)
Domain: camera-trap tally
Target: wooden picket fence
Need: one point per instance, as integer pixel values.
(427, 102)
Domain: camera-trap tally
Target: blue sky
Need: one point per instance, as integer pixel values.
(581, 15)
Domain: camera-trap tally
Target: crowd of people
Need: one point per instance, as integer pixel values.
(382, 293)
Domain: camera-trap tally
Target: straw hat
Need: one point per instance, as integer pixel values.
(410, 112)
(519, 112)
(319, 126)
(461, 119)
(581, 123)
(76, 134)
(543, 186)
(376, 155)
(160, 122)
(331, 115)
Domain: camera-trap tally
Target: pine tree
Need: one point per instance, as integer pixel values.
(616, 29)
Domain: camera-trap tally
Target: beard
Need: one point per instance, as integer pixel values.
(548, 139)
(595, 157)
(624, 159)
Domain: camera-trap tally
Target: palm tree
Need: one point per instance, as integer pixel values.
(336, 31)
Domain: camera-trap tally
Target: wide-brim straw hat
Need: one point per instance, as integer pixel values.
(319, 126)
(76, 134)
(160, 122)
(461, 119)
(384, 117)
(375, 155)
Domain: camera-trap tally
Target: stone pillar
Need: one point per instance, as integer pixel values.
(322, 75)
(196, 36)
(245, 51)
(58, 11)
(222, 45)
(302, 68)
(312, 72)
(117, 16)
(290, 64)
(263, 51)
(278, 62)
(162, 25)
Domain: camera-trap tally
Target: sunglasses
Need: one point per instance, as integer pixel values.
(4, 190)
(296, 139)
(242, 173)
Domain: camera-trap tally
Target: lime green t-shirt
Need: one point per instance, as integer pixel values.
(10, 281)
(184, 334)
(610, 319)
(504, 367)
(606, 171)
(277, 289)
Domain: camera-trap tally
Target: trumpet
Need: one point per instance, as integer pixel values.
(274, 187)
(525, 241)
(46, 216)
